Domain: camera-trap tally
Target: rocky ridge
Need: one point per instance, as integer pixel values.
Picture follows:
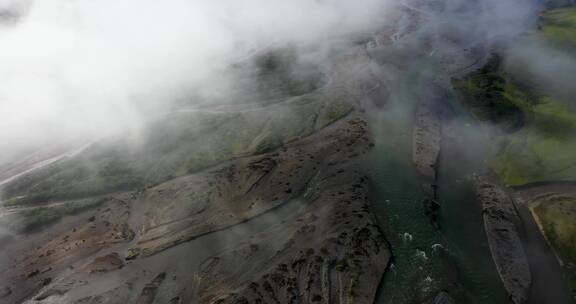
(503, 228)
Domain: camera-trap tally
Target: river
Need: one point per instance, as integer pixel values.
(425, 261)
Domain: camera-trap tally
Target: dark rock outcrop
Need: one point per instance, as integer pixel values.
(334, 253)
(149, 292)
(501, 221)
(432, 211)
(442, 298)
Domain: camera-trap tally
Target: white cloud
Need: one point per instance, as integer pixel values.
(86, 67)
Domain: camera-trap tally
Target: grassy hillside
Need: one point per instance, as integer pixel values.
(535, 133)
(484, 92)
(556, 216)
(536, 140)
(558, 27)
(544, 148)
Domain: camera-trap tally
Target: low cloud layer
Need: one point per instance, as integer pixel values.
(91, 68)
(544, 66)
(84, 69)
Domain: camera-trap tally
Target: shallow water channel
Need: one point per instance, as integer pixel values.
(426, 260)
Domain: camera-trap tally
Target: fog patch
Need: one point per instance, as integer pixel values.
(549, 69)
(77, 69)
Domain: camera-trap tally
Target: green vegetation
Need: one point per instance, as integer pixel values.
(484, 93)
(32, 219)
(543, 149)
(334, 111)
(558, 27)
(341, 266)
(539, 137)
(267, 142)
(557, 216)
(536, 132)
(555, 4)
